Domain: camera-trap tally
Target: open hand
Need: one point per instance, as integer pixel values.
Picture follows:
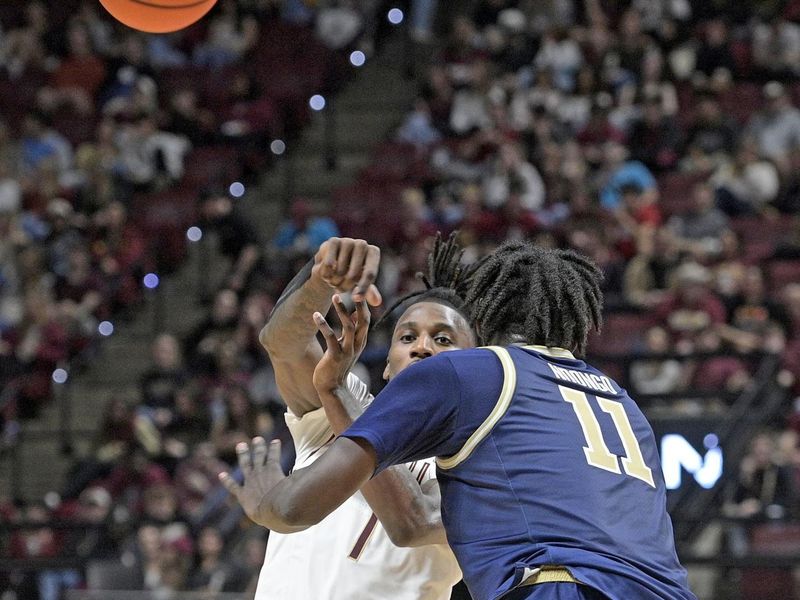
(341, 353)
(349, 265)
(262, 472)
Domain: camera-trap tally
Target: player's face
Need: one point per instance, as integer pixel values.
(424, 330)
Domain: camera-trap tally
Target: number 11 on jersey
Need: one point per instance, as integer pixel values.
(597, 452)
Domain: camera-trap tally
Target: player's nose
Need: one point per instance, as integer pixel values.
(422, 347)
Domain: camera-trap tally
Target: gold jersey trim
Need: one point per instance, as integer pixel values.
(500, 408)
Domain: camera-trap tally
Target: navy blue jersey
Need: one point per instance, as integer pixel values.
(542, 460)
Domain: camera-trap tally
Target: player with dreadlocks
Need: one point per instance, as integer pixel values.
(549, 474)
(352, 554)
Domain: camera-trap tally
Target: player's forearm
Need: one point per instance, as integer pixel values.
(341, 407)
(409, 517)
(290, 328)
(309, 495)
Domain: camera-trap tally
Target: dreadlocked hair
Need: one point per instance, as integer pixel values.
(447, 280)
(549, 297)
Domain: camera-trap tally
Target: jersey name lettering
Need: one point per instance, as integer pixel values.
(590, 380)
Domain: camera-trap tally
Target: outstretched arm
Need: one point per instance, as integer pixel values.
(290, 334)
(290, 504)
(408, 511)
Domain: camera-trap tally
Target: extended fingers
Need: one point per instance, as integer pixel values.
(274, 455)
(243, 457)
(259, 452)
(368, 274)
(326, 331)
(230, 484)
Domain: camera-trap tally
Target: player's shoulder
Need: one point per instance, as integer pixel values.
(472, 362)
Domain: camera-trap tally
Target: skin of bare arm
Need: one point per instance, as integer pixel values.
(294, 503)
(289, 337)
(409, 513)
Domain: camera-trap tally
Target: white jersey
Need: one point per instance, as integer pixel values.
(348, 555)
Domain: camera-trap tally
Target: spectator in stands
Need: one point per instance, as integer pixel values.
(302, 233)
(746, 185)
(120, 250)
(38, 344)
(469, 111)
(561, 55)
(80, 292)
(190, 424)
(189, 119)
(619, 171)
(637, 210)
(41, 142)
(714, 53)
(655, 139)
(238, 240)
(776, 48)
(510, 171)
(150, 158)
(202, 344)
(161, 382)
(339, 24)
(80, 74)
(116, 435)
(711, 136)
(791, 300)
(776, 127)
(230, 36)
(657, 375)
(752, 310)
(12, 240)
(237, 420)
(64, 235)
(418, 128)
(24, 48)
(648, 274)
(691, 307)
(195, 479)
(599, 131)
(699, 231)
(212, 573)
(127, 70)
(765, 486)
(723, 371)
(41, 542)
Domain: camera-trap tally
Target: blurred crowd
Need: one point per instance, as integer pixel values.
(111, 144)
(658, 137)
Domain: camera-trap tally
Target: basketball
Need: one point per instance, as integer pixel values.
(158, 16)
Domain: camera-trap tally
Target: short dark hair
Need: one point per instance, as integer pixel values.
(548, 297)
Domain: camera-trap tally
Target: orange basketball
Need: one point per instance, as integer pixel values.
(158, 16)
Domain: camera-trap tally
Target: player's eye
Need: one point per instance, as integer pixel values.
(443, 340)
(407, 338)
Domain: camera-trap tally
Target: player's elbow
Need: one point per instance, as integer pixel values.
(411, 533)
(402, 536)
(266, 337)
(294, 516)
